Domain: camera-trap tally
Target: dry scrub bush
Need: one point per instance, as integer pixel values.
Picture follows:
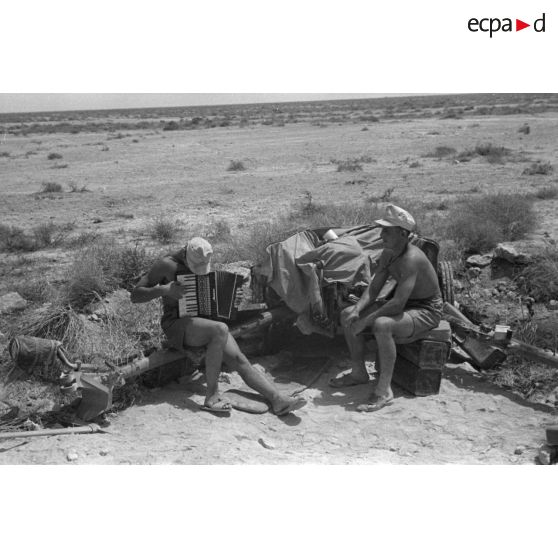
(540, 278)
(441, 152)
(52, 156)
(101, 268)
(51, 234)
(539, 168)
(478, 224)
(164, 230)
(35, 289)
(15, 239)
(547, 193)
(51, 187)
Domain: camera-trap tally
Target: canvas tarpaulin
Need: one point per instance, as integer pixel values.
(296, 267)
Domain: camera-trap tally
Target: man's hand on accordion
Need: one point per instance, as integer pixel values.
(176, 290)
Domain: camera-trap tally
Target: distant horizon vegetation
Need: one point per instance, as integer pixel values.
(320, 112)
(11, 103)
(286, 100)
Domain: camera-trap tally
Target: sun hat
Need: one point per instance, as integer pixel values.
(198, 255)
(396, 217)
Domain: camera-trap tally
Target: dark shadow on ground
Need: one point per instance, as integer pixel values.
(476, 382)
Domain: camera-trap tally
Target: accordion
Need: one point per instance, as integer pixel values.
(209, 296)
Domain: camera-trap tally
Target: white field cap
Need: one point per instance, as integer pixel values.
(396, 217)
(198, 255)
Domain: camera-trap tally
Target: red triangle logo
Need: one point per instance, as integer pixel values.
(519, 25)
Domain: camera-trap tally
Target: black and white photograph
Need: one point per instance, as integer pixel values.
(335, 281)
(278, 277)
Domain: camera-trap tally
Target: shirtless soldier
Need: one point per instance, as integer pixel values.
(416, 307)
(190, 331)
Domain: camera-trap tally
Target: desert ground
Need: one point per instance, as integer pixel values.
(120, 174)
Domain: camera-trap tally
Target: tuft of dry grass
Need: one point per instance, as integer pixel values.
(441, 152)
(49, 187)
(164, 230)
(539, 168)
(236, 166)
(52, 156)
(547, 193)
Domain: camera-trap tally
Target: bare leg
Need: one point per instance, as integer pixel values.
(357, 351)
(385, 329)
(214, 335)
(236, 360)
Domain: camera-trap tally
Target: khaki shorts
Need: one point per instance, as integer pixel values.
(175, 331)
(426, 314)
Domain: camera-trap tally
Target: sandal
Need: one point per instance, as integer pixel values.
(375, 403)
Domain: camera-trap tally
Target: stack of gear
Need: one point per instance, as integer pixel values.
(316, 278)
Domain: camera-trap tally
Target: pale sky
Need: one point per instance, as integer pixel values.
(33, 102)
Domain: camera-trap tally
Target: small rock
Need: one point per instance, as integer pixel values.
(508, 252)
(72, 456)
(478, 260)
(458, 285)
(553, 304)
(267, 444)
(495, 292)
(11, 302)
(474, 272)
(104, 452)
(520, 450)
(461, 367)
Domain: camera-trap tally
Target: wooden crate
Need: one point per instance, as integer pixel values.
(416, 380)
(418, 367)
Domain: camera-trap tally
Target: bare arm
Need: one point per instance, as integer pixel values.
(370, 294)
(396, 305)
(149, 287)
(352, 313)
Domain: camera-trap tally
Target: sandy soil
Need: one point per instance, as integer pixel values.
(183, 174)
(469, 422)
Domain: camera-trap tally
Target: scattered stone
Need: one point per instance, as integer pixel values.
(508, 252)
(104, 452)
(520, 450)
(72, 456)
(30, 425)
(547, 454)
(267, 444)
(11, 302)
(495, 292)
(461, 367)
(553, 304)
(478, 260)
(474, 272)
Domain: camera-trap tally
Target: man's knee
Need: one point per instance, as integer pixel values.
(220, 332)
(382, 326)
